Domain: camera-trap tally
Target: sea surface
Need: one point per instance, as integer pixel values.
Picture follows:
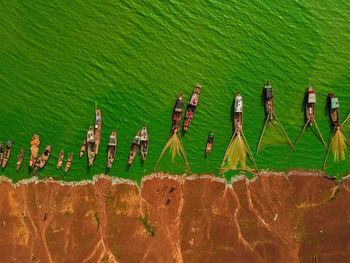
(57, 58)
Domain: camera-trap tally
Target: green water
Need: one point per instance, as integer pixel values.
(133, 57)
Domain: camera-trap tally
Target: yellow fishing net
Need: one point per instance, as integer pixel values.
(273, 136)
(340, 146)
(175, 146)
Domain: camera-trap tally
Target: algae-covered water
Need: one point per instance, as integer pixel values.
(133, 57)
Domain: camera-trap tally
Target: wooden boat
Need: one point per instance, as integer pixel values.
(134, 148)
(97, 130)
(34, 149)
(69, 162)
(7, 153)
(1, 152)
(90, 138)
(310, 105)
(42, 160)
(209, 143)
(268, 97)
(333, 109)
(112, 148)
(60, 160)
(177, 112)
(191, 107)
(20, 159)
(83, 148)
(144, 143)
(237, 113)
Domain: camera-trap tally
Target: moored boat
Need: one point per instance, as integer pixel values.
(268, 97)
(210, 142)
(97, 130)
(20, 159)
(83, 148)
(310, 105)
(34, 149)
(42, 160)
(112, 148)
(333, 110)
(60, 159)
(144, 143)
(69, 162)
(134, 148)
(177, 114)
(1, 152)
(191, 107)
(7, 153)
(90, 138)
(237, 113)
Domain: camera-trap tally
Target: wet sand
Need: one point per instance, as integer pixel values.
(273, 218)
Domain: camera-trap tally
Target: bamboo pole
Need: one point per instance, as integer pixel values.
(345, 120)
(301, 134)
(184, 154)
(161, 154)
(283, 129)
(226, 152)
(329, 147)
(262, 133)
(320, 135)
(251, 155)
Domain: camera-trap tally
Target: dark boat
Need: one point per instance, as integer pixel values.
(20, 159)
(34, 150)
(310, 105)
(69, 162)
(177, 113)
(134, 148)
(43, 159)
(237, 113)
(144, 143)
(112, 148)
(268, 97)
(209, 143)
(97, 130)
(90, 138)
(1, 152)
(191, 107)
(7, 153)
(60, 160)
(333, 110)
(83, 148)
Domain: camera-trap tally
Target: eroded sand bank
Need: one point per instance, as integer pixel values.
(273, 218)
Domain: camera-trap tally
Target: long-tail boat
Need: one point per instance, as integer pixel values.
(210, 142)
(1, 152)
(191, 107)
(310, 105)
(83, 148)
(90, 138)
(112, 148)
(97, 130)
(42, 160)
(134, 147)
(34, 149)
(268, 97)
(60, 160)
(20, 159)
(69, 162)
(144, 143)
(333, 110)
(7, 153)
(177, 114)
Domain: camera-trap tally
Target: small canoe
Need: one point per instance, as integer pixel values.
(134, 148)
(83, 148)
(69, 162)
(191, 107)
(7, 153)
(333, 109)
(60, 160)
(97, 130)
(177, 114)
(20, 159)
(42, 160)
(237, 113)
(34, 150)
(209, 143)
(1, 152)
(310, 105)
(268, 97)
(144, 143)
(112, 147)
(90, 138)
